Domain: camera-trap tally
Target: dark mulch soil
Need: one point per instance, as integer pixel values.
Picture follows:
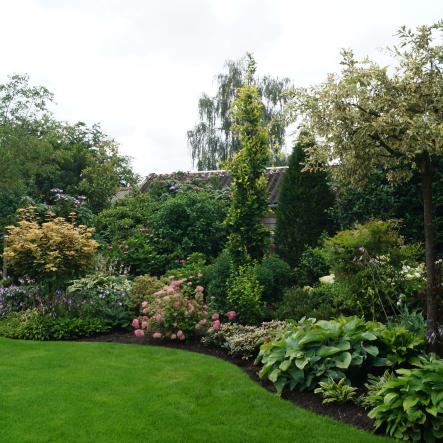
(349, 413)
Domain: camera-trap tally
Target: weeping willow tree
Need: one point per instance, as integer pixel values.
(213, 141)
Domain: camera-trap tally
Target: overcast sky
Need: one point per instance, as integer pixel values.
(138, 67)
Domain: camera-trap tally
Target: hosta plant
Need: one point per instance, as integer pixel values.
(410, 404)
(398, 345)
(317, 351)
(336, 392)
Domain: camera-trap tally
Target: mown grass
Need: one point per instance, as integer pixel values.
(98, 392)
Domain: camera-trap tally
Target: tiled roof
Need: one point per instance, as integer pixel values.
(274, 175)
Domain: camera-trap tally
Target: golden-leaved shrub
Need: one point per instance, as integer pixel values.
(53, 250)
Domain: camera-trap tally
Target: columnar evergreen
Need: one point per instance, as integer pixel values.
(247, 235)
(302, 212)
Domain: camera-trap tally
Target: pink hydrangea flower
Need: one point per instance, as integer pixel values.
(135, 323)
(158, 318)
(145, 311)
(199, 288)
(157, 335)
(173, 336)
(191, 308)
(139, 333)
(180, 335)
(145, 318)
(231, 315)
(216, 325)
(176, 304)
(215, 316)
(144, 304)
(145, 325)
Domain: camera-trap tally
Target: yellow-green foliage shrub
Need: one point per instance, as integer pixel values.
(55, 250)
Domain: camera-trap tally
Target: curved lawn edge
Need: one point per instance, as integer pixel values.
(104, 392)
(348, 413)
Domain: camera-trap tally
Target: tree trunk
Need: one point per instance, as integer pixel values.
(431, 269)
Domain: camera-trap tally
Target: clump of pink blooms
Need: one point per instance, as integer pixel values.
(177, 312)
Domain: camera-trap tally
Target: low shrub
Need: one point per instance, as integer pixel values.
(321, 302)
(399, 346)
(102, 296)
(274, 274)
(143, 288)
(191, 269)
(410, 404)
(242, 340)
(175, 312)
(335, 392)
(245, 295)
(20, 297)
(311, 266)
(33, 325)
(215, 280)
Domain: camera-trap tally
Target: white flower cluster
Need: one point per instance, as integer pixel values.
(413, 273)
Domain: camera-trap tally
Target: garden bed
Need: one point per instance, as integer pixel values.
(348, 413)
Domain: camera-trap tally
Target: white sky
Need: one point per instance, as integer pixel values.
(138, 67)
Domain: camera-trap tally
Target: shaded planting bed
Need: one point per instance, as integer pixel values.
(104, 392)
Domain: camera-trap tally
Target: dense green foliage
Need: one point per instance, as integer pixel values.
(380, 199)
(410, 404)
(274, 274)
(316, 351)
(104, 297)
(247, 237)
(303, 204)
(214, 140)
(311, 266)
(33, 325)
(244, 294)
(215, 280)
(373, 262)
(151, 235)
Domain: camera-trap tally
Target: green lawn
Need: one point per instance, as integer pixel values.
(99, 392)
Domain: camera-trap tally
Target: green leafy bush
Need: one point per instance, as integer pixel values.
(372, 397)
(244, 295)
(215, 280)
(373, 261)
(105, 297)
(143, 288)
(243, 340)
(274, 274)
(398, 345)
(311, 266)
(336, 392)
(33, 325)
(321, 302)
(152, 235)
(191, 269)
(318, 350)
(410, 404)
